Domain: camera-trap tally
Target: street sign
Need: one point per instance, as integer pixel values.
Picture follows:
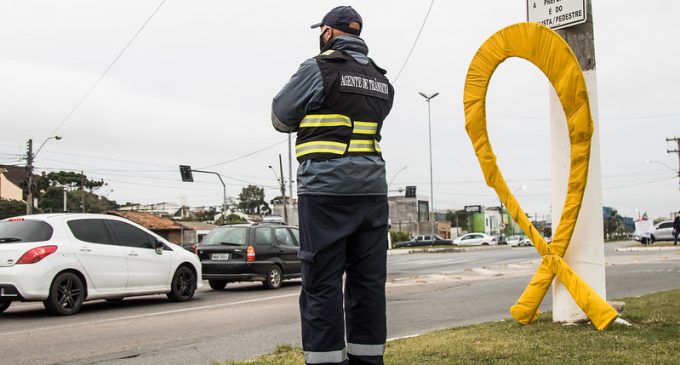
(185, 172)
(410, 192)
(473, 208)
(556, 14)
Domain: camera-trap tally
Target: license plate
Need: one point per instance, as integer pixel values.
(220, 256)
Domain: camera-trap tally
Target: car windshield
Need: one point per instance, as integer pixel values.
(235, 236)
(24, 231)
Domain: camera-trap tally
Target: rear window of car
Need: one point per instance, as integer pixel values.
(90, 230)
(263, 236)
(236, 236)
(25, 231)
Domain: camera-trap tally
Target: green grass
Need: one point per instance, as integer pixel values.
(654, 338)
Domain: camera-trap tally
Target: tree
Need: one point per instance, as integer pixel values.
(69, 179)
(231, 219)
(251, 201)
(206, 215)
(50, 192)
(11, 208)
(52, 200)
(612, 224)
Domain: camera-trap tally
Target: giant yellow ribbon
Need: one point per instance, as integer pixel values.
(552, 55)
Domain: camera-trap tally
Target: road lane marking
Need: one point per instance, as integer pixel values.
(138, 316)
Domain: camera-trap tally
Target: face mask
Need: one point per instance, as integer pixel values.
(322, 43)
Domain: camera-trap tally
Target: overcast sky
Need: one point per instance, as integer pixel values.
(196, 85)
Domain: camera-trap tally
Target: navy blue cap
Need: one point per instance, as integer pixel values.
(340, 18)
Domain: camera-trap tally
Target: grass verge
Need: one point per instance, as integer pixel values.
(654, 338)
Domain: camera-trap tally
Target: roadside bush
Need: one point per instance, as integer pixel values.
(398, 236)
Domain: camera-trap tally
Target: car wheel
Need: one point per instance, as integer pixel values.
(652, 239)
(274, 278)
(217, 284)
(66, 295)
(4, 306)
(485, 244)
(183, 285)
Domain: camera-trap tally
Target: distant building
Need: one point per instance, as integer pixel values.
(193, 232)
(410, 215)
(164, 209)
(12, 182)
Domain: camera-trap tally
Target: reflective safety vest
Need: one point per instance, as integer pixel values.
(357, 99)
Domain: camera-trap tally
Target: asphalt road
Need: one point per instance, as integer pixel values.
(425, 292)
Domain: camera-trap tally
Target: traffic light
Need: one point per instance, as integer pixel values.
(185, 172)
(410, 191)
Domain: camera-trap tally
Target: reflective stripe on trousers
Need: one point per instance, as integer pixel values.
(327, 357)
(357, 349)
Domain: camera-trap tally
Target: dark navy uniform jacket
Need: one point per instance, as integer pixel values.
(304, 94)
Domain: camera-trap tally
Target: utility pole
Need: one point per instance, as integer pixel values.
(677, 150)
(283, 191)
(586, 250)
(82, 191)
(29, 177)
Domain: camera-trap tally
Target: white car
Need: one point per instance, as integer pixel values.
(475, 239)
(64, 260)
(518, 241)
(662, 231)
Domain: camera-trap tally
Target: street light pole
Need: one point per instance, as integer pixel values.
(282, 183)
(429, 130)
(395, 176)
(677, 172)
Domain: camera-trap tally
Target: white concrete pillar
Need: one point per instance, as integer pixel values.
(585, 253)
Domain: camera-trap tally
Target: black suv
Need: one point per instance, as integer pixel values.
(250, 252)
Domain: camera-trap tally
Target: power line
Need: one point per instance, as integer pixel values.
(414, 43)
(73, 110)
(244, 156)
(546, 118)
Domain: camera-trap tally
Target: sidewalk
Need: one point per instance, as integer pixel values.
(648, 248)
(406, 251)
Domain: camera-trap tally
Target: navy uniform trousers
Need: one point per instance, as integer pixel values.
(343, 235)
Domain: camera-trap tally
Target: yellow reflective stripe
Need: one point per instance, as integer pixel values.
(325, 120)
(363, 145)
(365, 128)
(377, 146)
(320, 147)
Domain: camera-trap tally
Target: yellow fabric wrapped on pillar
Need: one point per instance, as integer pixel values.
(553, 56)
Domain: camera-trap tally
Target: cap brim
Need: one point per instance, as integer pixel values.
(316, 25)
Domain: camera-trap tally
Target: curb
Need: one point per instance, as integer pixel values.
(447, 250)
(660, 248)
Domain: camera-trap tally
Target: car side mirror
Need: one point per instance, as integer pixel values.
(158, 245)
